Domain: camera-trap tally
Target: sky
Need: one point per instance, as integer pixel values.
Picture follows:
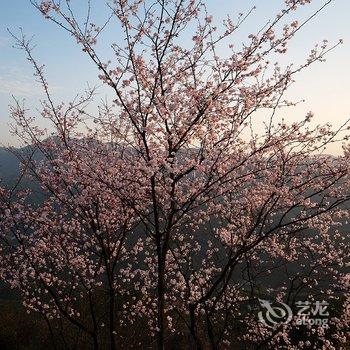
(325, 87)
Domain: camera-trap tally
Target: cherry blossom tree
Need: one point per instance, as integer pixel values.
(176, 206)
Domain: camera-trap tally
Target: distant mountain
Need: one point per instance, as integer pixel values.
(10, 171)
(9, 166)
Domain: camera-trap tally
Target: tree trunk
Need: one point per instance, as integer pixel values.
(193, 328)
(160, 304)
(111, 321)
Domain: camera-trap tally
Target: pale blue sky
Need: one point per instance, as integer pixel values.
(325, 87)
